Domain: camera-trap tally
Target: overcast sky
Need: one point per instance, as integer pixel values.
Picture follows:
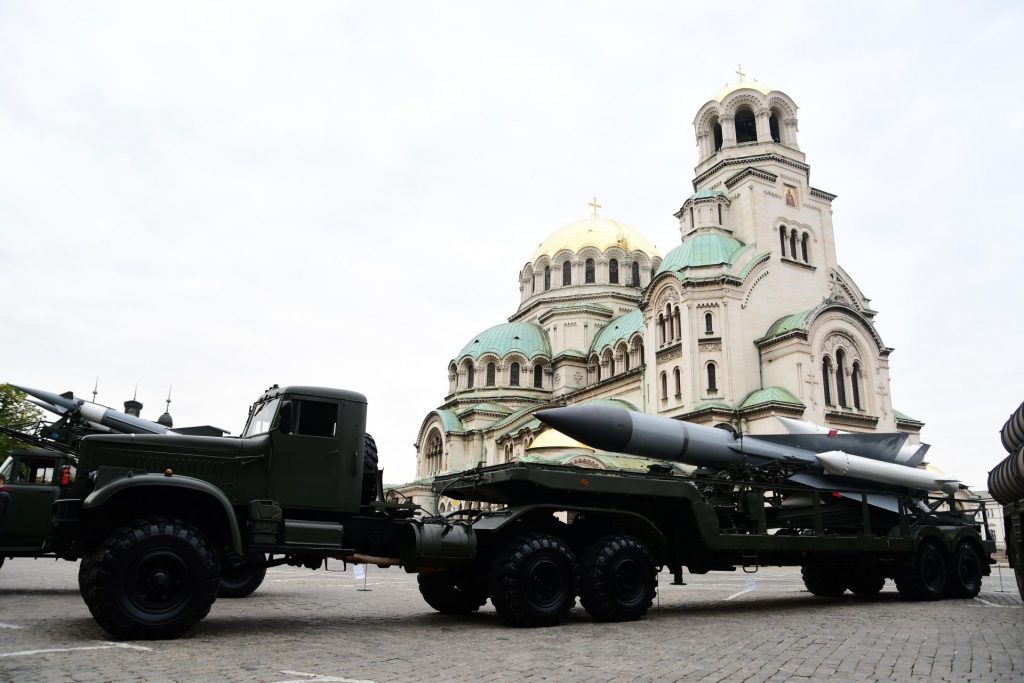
(223, 197)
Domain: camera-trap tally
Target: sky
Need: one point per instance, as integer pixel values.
(224, 196)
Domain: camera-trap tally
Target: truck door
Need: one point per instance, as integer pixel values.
(306, 462)
(33, 485)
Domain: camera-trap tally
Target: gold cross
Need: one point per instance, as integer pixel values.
(595, 206)
(739, 72)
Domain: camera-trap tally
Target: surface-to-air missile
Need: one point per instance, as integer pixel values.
(910, 454)
(66, 405)
(815, 460)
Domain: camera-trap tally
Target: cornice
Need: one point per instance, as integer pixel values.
(733, 180)
(821, 194)
(738, 161)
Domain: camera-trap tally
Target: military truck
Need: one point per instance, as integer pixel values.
(158, 518)
(1006, 484)
(35, 477)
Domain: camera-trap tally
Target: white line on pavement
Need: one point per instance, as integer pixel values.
(308, 678)
(11, 626)
(103, 646)
(992, 604)
(736, 595)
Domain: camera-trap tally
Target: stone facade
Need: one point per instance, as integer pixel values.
(749, 317)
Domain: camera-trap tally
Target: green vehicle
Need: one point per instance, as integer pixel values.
(158, 519)
(35, 478)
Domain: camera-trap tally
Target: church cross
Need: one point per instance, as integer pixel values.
(595, 206)
(739, 72)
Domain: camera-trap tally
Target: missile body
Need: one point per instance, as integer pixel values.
(623, 431)
(112, 419)
(908, 454)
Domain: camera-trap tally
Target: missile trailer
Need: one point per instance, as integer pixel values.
(1006, 484)
(158, 519)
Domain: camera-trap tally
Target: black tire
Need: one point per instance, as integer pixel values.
(866, 583)
(370, 461)
(924, 576)
(151, 579)
(963, 572)
(242, 581)
(824, 580)
(453, 592)
(618, 579)
(534, 581)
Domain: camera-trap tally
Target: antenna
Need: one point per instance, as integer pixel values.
(135, 394)
(95, 388)
(169, 398)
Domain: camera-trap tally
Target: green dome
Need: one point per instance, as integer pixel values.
(622, 327)
(526, 338)
(704, 249)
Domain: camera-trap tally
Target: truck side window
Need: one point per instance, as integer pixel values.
(315, 418)
(34, 472)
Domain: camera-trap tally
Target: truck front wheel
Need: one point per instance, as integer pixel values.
(617, 579)
(534, 580)
(963, 572)
(824, 580)
(924, 576)
(453, 591)
(151, 579)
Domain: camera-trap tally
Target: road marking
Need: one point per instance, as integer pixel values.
(11, 626)
(992, 604)
(736, 595)
(306, 678)
(103, 646)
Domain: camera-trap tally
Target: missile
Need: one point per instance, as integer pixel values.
(623, 431)
(115, 420)
(909, 454)
(846, 465)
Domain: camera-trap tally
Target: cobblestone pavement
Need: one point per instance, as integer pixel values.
(317, 626)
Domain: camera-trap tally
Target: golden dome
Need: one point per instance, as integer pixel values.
(730, 89)
(552, 438)
(600, 233)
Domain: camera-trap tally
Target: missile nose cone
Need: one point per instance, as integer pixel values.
(607, 429)
(50, 397)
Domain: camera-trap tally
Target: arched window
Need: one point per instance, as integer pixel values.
(679, 324)
(547, 278)
(566, 274)
(626, 359)
(490, 374)
(716, 130)
(641, 354)
(613, 272)
(782, 239)
(792, 244)
(513, 375)
(712, 380)
(664, 385)
(538, 376)
(803, 247)
(746, 126)
(533, 284)
(773, 127)
(611, 365)
(470, 372)
(589, 275)
(661, 329)
(635, 273)
(692, 223)
(434, 451)
(855, 385)
(719, 214)
(678, 383)
(598, 369)
(841, 378)
(709, 323)
(826, 379)
(671, 324)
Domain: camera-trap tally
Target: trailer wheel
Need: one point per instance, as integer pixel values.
(534, 581)
(963, 572)
(243, 580)
(452, 591)
(823, 580)
(924, 576)
(150, 579)
(866, 583)
(617, 579)
(370, 460)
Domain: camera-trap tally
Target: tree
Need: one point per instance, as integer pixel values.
(16, 413)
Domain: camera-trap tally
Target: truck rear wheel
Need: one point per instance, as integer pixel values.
(924, 576)
(151, 579)
(617, 579)
(963, 572)
(370, 460)
(453, 591)
(824, 580)
(866, 583)
(242, 581)
(534, 580)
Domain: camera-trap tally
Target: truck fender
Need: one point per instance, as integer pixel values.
(640, 525)
(103, 494)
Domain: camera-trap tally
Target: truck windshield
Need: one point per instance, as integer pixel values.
(260, 420)
(6, 468)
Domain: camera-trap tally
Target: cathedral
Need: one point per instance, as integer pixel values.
(749, 317)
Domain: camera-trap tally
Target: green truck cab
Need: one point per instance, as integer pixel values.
(35, 478)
